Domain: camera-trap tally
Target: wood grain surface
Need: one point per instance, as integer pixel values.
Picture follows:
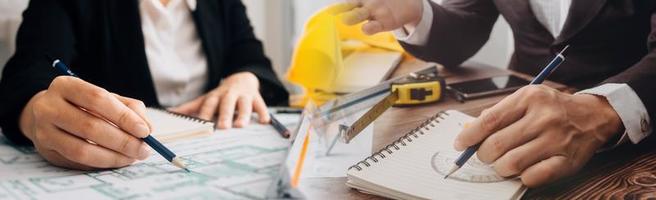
(626, 172)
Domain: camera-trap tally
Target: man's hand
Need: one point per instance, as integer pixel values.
(541, 134)
(239, 92)
(106, 135)
(384, 15)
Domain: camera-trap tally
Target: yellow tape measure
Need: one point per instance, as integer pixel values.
(418, 91)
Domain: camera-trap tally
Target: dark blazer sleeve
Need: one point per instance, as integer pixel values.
(28, 71)
(246, 54)
(460, 28)
(642, 76)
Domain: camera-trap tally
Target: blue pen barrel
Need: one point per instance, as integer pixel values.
(159, 147)
(61, 67)
(462, 159)
(547, 70)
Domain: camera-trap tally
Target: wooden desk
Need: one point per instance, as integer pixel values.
(629, 173)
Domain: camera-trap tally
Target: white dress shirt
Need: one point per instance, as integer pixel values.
(174, 50)
(552, 14)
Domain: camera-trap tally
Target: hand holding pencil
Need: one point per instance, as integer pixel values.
(61, 130)
(75, 124)
(538, 133)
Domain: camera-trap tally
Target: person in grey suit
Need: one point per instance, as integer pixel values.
(538, 133)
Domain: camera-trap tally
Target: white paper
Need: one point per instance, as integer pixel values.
(341, 157)
(230, 164)
(416, 169)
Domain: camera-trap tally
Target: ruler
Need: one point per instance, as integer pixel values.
(355, 102)
(348, 133)
(416, 91)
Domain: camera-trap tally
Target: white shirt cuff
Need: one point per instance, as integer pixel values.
(628, 106)
(418, 36)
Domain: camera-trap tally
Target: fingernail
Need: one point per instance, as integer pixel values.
(142, 129)
(144, 151)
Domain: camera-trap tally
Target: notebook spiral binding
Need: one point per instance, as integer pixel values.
(183, 116)
(402, 141)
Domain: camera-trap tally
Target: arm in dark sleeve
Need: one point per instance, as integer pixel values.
(460, 28)
(46, 29)
(641, 77)
(246, 54)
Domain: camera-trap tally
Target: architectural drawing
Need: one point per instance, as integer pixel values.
(236, 165)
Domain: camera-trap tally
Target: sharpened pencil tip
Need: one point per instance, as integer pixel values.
(178, 163)
(453, 170)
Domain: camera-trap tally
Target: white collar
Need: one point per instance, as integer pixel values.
(191, 4)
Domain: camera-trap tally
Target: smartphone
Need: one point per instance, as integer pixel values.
(486, 87)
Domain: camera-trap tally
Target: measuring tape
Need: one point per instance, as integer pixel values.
(417, 90)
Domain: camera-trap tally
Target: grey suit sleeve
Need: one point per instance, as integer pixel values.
(460, 28)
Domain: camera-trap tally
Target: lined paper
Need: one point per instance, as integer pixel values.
(416, 171)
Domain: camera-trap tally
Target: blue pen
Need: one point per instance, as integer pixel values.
(150, 140)
(469, 152)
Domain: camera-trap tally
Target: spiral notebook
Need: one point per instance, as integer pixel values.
(168, 126)
(413, 167)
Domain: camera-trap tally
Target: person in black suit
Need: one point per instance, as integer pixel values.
(194, 57)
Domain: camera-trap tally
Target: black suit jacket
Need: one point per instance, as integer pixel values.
(102, 41)
(612, 41)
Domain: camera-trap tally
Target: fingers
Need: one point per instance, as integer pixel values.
(547, 171)
(137, 106)
(227, 110)
(79, 151)
(355, 16)
(87, 126)
(245, 108)
(504, 113)
(191, 108)
(101, 102)
(208, 110)
(58, 160)
(345, 7)
(373, 27)
(260, 107)
(515, 161)
(506, 139)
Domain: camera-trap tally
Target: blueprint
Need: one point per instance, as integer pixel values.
(230, 164)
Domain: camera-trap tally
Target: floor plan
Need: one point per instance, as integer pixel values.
(239, 164)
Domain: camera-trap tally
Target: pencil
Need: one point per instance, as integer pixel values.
(280, 128)
(150, 140)
(464, 157)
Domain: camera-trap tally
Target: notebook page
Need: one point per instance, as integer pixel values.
(418, 168)
(167, 126)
